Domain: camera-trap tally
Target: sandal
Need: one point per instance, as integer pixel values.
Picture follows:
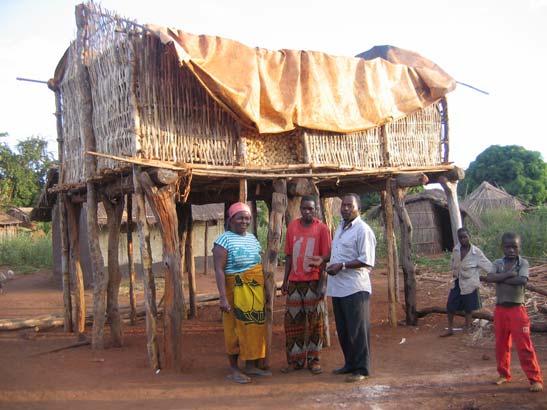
(239, 378)
(255, 371)
(315, 368)
(290, 369)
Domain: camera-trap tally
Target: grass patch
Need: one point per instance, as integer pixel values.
(25, 253)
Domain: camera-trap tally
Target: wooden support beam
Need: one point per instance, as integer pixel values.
(75, 267)
(191, 267)
(278, 208)
(162, 202)
(131, 262)
(100, 279)
(409, 269)
(254, 210)
(451, 190)
(114, 210)
(387, 205)
(147, 275)
(162, 176)
(205, 248)
(243, 190)
(409, 180)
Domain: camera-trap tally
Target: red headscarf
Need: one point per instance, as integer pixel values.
(238, 207)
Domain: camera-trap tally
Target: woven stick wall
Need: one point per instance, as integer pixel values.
(179, 121)
(73, 140)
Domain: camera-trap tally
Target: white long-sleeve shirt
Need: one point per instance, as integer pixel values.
(468, 270)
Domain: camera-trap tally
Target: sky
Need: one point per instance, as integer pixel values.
(499, 46)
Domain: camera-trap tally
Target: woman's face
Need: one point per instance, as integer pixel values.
(240, 222)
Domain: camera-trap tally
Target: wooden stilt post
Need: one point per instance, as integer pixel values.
(387, 204)
(405, 226)
(73, 224)
(147, 275)
(450, 188)
(65, 272)
(162, 202)
(254, 210)
(279, 206)
(205, 250)
(191, 267)
(114, 210)
(100, 279)
(131, 262)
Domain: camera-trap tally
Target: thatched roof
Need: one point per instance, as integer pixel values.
(6, 219)
(487, 196)
(209, 212)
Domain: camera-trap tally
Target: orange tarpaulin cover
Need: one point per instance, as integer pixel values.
(276, 91)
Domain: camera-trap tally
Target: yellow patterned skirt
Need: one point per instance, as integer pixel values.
(244, 325)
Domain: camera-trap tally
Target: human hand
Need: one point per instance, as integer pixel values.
(224, 305)
(334, 268)
(314, 261)
(285, 288)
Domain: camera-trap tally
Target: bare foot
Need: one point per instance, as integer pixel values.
(501, 380)
(447, 333)
(536, 387)
(238, 377)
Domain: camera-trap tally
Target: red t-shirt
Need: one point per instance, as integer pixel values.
(302, 241)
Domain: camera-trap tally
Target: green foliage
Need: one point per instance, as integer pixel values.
(23, 171)
(26, 254)
(532, 226)
(434, 263)
(520, 172)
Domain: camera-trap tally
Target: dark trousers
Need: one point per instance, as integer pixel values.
(352, 317)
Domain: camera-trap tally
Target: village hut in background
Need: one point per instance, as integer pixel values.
(208, 224)
(9, 226)
(163, 117)
(430, 218)
(486, 197)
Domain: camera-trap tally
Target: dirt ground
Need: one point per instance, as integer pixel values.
(412, 367)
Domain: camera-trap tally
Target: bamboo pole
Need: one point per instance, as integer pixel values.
(387, 204)
(409, 270)
(279, 206)
(73, 225)
(162, 202)
(130, 261)
(114, 210)
(147, 275)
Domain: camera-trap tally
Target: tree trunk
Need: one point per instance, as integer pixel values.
(162, 202)
(147, 275)
(114, 211)
(73, 222)
(405, 226)
(130, 261)
(279, 206)
(451, 191)
(65, 268)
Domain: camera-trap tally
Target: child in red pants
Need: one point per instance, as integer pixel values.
(511, 321)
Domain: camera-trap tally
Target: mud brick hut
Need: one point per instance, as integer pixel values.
(161, 116)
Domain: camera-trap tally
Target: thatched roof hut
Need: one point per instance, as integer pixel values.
(486, 197)
(428, 212)
(8, 225)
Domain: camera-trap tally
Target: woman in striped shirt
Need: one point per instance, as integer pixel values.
(240, 282)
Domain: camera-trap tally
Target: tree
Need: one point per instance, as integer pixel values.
(520, 172)
(23, 171)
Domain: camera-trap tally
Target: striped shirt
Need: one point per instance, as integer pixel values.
(243, 251)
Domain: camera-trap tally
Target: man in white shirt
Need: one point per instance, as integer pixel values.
(352, 258)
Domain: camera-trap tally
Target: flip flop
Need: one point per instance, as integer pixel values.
(315, 368)
(290, 369)
(239, 378)
(255, 371)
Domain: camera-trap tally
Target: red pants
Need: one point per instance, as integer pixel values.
(513, 323)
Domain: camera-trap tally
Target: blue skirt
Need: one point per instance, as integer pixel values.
(467, 303)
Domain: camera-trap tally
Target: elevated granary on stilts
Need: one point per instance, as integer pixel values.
(176, 119)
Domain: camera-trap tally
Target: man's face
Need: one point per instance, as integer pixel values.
(511, 248)
(307, 210)
(349, 208)
(463, 238)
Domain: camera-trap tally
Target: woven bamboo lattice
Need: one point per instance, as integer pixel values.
(415, 140)
(358, 149)
(179, 121)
